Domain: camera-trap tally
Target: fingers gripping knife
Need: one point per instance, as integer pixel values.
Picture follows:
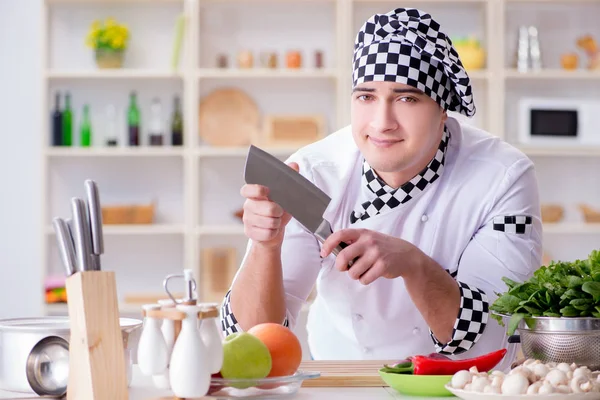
(292, 191)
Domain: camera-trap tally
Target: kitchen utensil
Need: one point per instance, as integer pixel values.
(228, 117)
(292, 191)
(69, 222)
(19, 336)
(81, 235)
(566, 339)
(96, 367)
(48, 366)
(212, 338)
(65, 245)
(534, 49)
(95, 214)
(523, 50)
(346, 373)
(418, 385)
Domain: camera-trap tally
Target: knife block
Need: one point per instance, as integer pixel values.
(96, 356)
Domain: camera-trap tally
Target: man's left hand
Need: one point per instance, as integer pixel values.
(379, 255)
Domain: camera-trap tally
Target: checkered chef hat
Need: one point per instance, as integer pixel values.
(407, 46)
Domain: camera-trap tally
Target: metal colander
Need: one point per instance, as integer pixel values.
(570, 340)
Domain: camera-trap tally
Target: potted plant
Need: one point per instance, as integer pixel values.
(109, 41)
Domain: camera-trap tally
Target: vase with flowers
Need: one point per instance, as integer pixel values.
(109, 41)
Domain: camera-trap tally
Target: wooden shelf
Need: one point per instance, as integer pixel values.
(572, 228)
(589, 151)
(137, 230)
(114, 74)
(264, 73)
(552, 74)
(210, 152)
(114, 152)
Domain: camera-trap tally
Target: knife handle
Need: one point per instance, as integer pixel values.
(323, 232)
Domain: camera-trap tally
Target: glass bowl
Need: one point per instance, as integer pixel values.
(274, 387)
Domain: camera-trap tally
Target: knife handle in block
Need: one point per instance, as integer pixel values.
(97, 369)
(323, 232)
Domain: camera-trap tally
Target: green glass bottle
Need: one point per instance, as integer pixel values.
(67, 122)
(86, 128)
(133, 120)
(177, 124)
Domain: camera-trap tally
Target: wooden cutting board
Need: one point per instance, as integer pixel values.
(344, 373)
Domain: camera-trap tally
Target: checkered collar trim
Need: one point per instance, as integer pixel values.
(387, 197)
(407, 46)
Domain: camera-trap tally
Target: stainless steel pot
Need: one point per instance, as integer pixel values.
(34, 353)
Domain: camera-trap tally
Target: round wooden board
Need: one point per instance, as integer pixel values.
(228, 117)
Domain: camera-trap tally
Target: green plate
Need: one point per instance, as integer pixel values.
(418, 385)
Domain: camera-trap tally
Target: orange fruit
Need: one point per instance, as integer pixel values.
(284, 346)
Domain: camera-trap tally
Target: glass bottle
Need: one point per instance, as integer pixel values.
(86, 128)
(57, 122)
(133, 120)
(177, 124)
(67, 122)
(110, 135)
(156, 124)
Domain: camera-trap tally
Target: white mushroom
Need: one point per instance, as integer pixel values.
(564, 367)
(534, 388)
(467, 387)
(556, 377)
(584, 372)
(540, 370)
(563, 389)
(570, 375)
(492, 389)
(546, 388)
(497, 381)
(479, 383)
(576, 384)
(461, 379)
(473, 370)
(587, 386)
(529, 361)
(497, 373)
(551, 364)
(526, 372)
(515, 384)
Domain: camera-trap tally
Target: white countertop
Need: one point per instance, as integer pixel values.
(143, 389)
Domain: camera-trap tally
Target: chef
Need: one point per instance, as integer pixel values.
(435, 213)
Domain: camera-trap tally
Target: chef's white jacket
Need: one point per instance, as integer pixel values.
(480, 221)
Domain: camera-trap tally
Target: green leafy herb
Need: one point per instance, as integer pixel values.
(561, 289)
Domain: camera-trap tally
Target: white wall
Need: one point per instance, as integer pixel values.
(20, 121)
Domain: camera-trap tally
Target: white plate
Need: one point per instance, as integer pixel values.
(465, 395)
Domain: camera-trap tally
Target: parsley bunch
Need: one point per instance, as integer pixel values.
(561, 289)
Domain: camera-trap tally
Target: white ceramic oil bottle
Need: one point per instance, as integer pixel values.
(189, 370)
(152, 353)
(168, 330)
(211, 334)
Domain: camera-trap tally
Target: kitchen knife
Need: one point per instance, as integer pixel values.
(95, 214)
(292, 191)
(81, 234)
(65, 245)
(70, 229)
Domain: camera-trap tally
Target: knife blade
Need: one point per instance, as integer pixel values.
(65, 245)
(81, 234)
(293, 192)
(95, 214)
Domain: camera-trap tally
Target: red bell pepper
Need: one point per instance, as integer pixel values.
(426, 365)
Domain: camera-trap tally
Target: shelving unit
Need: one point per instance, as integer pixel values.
(197, 186)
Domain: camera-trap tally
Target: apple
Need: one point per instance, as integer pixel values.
(245, 357)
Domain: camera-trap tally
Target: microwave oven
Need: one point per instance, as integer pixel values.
(559, 122)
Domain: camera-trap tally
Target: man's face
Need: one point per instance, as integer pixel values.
(395, 126)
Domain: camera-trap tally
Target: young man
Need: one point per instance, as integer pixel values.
(435, 212)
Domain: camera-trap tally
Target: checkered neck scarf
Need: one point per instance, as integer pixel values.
(407, 46)
(387, 197)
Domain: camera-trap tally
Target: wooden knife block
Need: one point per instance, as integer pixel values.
(96, 356)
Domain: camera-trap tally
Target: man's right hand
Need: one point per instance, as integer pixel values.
(264, 220)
